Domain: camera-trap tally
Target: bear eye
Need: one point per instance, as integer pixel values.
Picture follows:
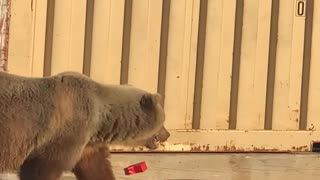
(146, 101)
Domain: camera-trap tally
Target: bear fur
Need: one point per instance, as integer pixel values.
(66, 122)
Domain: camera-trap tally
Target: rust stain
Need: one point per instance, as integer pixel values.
(300, 148)
(4, 33)
(265, 150)
(200, 148)
(184, 147)
(229, 148)
(311, 128)
(196, 148)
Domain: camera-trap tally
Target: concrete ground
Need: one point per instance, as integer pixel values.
(215, 166)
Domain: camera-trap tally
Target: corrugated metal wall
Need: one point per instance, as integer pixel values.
(220, 64)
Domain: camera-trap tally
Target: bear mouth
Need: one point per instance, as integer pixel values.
(153, 142)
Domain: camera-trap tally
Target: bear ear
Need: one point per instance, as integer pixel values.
(146, 101)
(157, 98)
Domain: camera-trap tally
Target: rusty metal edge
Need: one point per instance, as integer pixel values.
(216, 149)
(4, 33)
(175, 146)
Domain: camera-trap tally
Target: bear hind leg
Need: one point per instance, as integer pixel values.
(40, 169)
(94, 164)
(49, 163)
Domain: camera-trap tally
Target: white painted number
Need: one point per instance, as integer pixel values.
(300, 7)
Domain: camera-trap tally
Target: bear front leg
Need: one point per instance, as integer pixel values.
(94, 164)
(40, 169)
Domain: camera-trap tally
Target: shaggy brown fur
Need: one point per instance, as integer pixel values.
(46, 124)
(94, 163)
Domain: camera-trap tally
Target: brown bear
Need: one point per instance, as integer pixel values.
(66, 122)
